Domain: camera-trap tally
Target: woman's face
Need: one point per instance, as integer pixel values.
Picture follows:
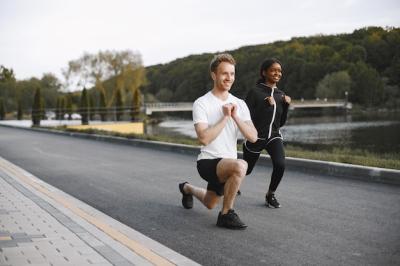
(273, 74)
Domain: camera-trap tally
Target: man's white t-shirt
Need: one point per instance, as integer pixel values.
(208, 109)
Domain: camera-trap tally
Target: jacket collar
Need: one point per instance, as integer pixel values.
(266, 87)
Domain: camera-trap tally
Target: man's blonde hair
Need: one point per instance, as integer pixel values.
(218, 59)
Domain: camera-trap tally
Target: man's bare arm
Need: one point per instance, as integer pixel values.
(207, 134)
(246, 127)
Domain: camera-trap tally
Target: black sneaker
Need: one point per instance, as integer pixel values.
(187, 199)
(271, 201)
(230, 220)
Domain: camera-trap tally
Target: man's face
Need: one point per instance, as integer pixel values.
(273, 73)
(224, 76)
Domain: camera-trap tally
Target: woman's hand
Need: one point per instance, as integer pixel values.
(270, 100)
(286, 99)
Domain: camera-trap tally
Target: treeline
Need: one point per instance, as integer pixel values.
(17, 96)
(95, 84)
(365, 63)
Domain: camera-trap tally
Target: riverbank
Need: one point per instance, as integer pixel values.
(331, 154)
(312, 167)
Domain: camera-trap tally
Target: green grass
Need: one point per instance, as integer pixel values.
(164, 138)
(341, 155)
(346, 155)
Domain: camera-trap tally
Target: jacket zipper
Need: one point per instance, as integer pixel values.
(273, 115)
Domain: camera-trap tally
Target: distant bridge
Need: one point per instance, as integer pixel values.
(306, 104)
(168, 107)
(296, 104)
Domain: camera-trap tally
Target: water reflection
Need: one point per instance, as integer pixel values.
(376, 134)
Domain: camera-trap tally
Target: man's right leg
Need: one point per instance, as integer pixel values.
(207, 169)
(209, 198)
(229, 172)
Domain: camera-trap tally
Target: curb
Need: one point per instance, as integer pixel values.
(118, 243)
(365, 173)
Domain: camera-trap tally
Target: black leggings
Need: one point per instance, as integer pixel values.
(274, 147)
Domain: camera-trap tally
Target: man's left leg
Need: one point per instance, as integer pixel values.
(209, 198)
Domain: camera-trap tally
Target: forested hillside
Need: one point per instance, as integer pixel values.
(366, 63)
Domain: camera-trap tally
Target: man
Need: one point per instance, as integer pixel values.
(218, 117)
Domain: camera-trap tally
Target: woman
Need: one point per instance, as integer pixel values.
(268, 108)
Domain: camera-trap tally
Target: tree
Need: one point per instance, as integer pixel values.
(306, 61)
(392, 96)
(63, 107)
(127, 70)
(50, 89)
(68, 106)
(84, 107)
(119, 111)
(164, 95)
(7, 87)
(2, 111)
(36, 108)
(92, 107)
(114, 74)
(367, 86)
(6, 74)
(135, 105)
(58, 108)
(334, 85)
(19, 110)
(24, 92)
(99, 67)
(102, 106)
(393, 71)
(379, 53)
(355, 53)
(79, 72)
(135, 76)
(42, 108)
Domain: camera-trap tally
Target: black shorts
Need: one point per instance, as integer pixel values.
(207, 169)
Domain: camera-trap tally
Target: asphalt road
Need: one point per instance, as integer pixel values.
(323, 220)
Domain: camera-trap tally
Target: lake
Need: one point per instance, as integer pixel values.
(378, 133)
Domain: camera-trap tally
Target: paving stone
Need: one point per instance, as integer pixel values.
(34, 232)
(22, 244)
(36, 260)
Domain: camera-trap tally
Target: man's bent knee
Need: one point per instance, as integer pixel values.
(210, 205)
(240, 168)
(211, 200)
(244, 164)
(227, 168)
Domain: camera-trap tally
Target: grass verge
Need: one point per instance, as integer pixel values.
(346, 155)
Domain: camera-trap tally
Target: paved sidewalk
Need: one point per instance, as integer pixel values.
(41, 225)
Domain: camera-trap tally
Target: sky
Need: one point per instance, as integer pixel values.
(42, 36)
